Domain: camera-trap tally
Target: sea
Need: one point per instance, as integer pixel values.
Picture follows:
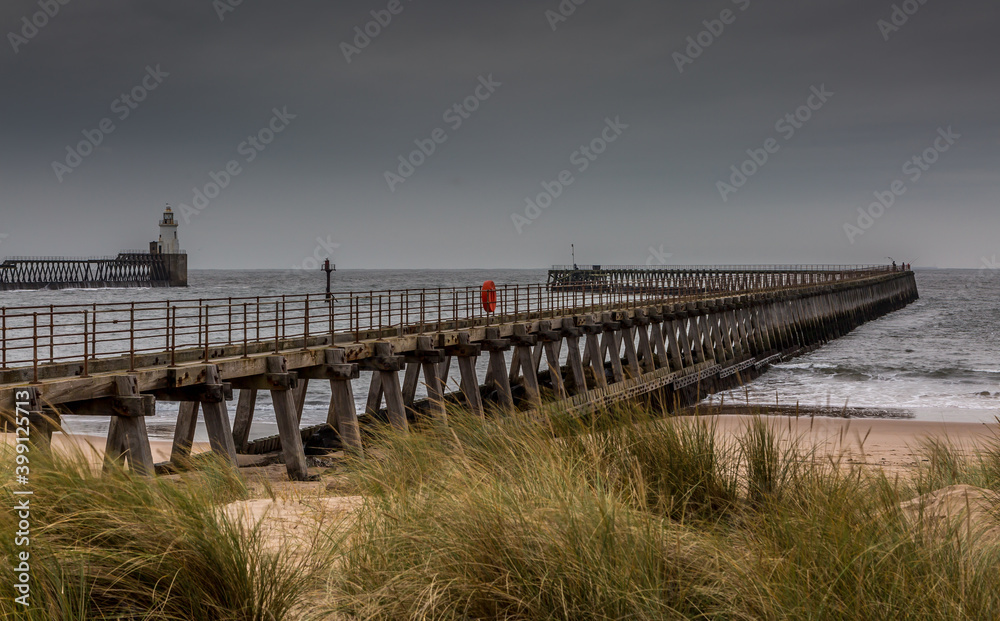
(937, 359)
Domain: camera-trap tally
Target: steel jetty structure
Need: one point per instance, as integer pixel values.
(164, 265)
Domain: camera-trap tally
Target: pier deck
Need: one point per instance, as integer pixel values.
(671, 337)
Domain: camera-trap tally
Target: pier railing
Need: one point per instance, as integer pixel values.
(128, 267)
(40, 335)
(727, 268)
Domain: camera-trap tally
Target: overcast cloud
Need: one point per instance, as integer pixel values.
(670, 117)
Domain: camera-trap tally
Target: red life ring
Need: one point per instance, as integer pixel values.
(489, 296)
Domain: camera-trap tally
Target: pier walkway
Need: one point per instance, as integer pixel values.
(667, 334)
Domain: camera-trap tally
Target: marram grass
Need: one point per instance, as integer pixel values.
(626, 516)
(117, 546)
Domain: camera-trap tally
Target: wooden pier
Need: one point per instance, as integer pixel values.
(673, 337)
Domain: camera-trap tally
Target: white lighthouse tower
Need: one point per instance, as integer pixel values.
(168, 243)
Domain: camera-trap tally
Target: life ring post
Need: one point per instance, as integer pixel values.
(488, 295)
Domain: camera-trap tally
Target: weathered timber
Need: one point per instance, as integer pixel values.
(127, 436)
(244, 418)
(216, 415)
(342, 415)
(673, 350)
(292, 448)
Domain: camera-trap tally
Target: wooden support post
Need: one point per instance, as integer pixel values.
(444, 371)
(781, 324)
(470, 385)
(244, 418)
(515, 368)
(291, 439)
(735, 331)
(116, 446)
(605, 342)
(467, 355)
(687, 350)
(555, 369)
(140, 456)
(388, 366)
(758, 343)
(375, 391)
(187, 423)
(596, 363)
(343, 415)
(394, 400)
(300, 397)
(631, 357)
(410, 382)
(523, 343)
(738, 321)
(760, 325)
(497, 376)
(530, 379)
(432, 377)
(702, 338)
(611, 342)
(288, 427)
(220, 433)
(435, 390)
(574, 359)
(695, 334)
(536, 357)
(659, 345)
(715, 336)
(129, 432)
(676, 358)
(648, 362)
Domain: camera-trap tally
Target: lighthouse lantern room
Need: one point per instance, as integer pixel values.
(168, 243)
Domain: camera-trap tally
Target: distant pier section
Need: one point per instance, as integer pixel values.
(681, 280)
(163, 265)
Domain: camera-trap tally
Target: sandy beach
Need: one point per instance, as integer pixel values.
(891, 444)
(888, 443)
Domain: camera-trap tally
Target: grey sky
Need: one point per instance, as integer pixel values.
(655, 187)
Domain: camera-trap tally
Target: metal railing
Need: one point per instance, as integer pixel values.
(725, 268)
(33, 336)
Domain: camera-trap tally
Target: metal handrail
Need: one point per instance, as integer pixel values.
(38, 335)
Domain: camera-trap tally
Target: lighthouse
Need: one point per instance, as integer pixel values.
(168, 244)
(173, 259)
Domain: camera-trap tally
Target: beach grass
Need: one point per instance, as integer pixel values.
(119, 546)
(624, 516)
